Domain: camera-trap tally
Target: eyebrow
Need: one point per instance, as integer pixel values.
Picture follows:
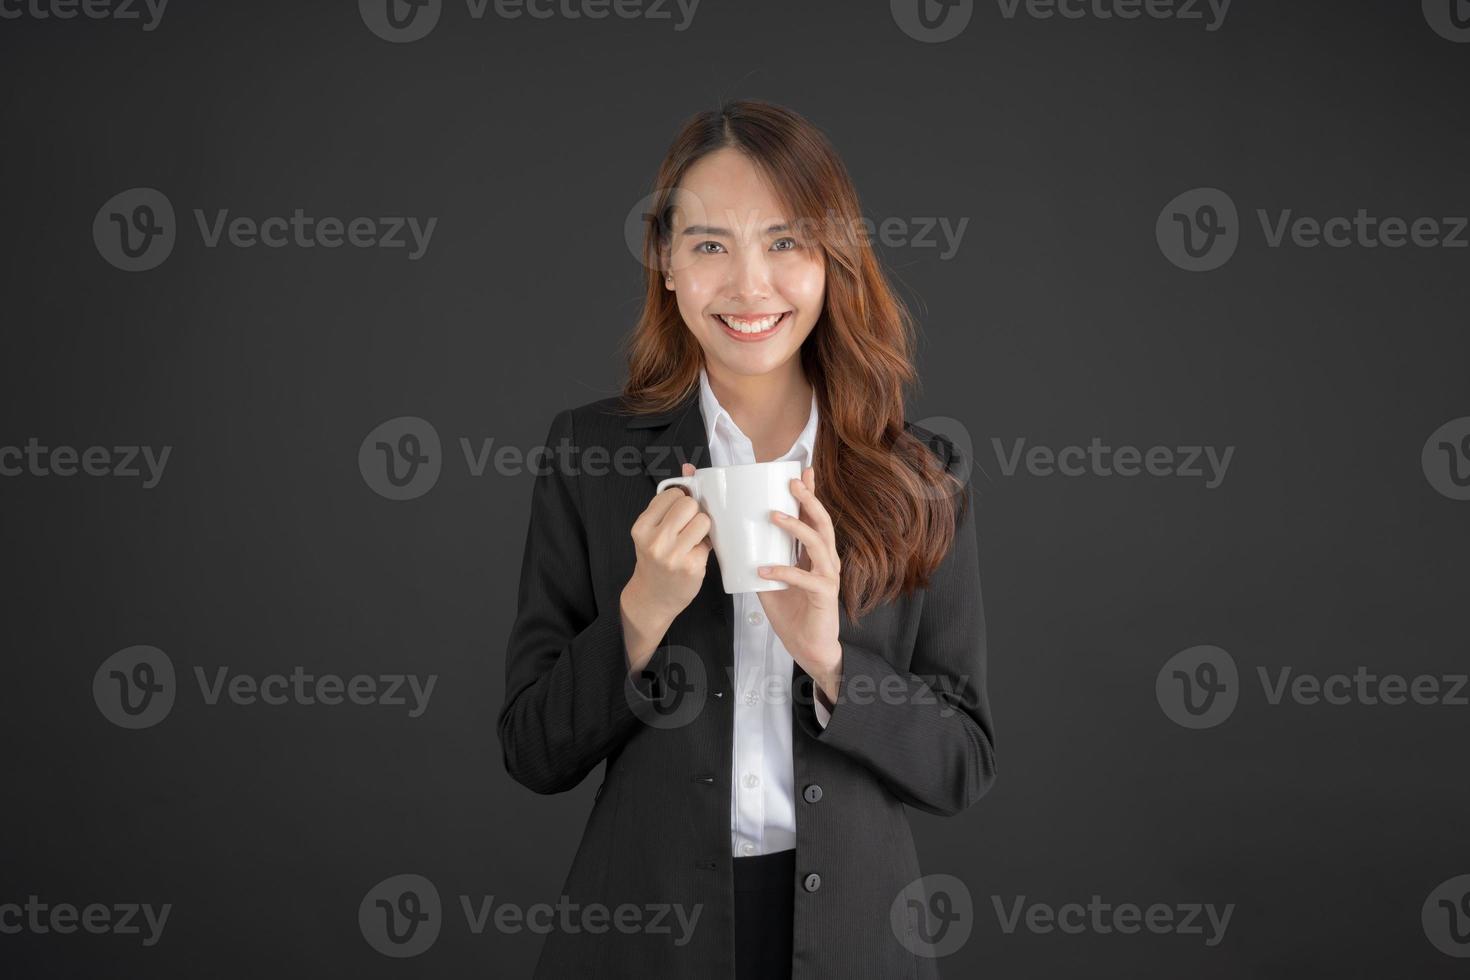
(712, 230)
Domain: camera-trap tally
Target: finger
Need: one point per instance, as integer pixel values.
(806, 581)
(654, 512)
(812, 508)
(693, 533)
(821, 555)
(686, 469)
(677, 515)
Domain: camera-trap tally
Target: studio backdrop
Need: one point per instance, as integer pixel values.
(292, 292)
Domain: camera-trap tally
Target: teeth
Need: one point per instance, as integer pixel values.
(751, 326)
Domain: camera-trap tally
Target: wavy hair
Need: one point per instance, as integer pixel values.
(890, 496)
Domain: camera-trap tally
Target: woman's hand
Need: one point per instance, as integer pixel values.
(804, 616)
(671, 539)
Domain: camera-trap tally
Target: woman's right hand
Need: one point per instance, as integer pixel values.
(672, 544)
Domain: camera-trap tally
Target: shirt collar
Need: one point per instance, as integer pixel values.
(713, 411)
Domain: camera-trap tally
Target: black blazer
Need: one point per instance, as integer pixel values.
(911, 727)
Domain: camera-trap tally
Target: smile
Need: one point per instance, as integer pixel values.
(752, 328)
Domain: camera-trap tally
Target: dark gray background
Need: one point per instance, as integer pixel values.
(1059, 319)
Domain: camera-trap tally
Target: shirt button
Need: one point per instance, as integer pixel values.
(747, 848)
(813, 793)
(751, 697)
(813, 882)
(754, 617)
(752, 780)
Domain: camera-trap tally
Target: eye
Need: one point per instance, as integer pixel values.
(700, 247)
(792, 244)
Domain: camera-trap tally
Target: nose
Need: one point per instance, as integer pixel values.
(750, 279)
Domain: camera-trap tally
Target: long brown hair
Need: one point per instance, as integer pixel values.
(892, 503)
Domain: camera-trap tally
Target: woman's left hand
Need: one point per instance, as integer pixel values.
(804, 616)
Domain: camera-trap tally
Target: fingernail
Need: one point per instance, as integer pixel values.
(764, 570)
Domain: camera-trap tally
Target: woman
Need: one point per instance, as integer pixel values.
(760, 748)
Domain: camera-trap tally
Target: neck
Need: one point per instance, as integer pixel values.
(771, 408)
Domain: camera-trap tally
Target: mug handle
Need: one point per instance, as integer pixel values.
(687, 482)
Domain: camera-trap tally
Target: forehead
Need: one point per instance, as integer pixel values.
(726, 186)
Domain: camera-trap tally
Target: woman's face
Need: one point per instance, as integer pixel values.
(749, 287)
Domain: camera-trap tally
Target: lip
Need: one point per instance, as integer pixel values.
(754, 338)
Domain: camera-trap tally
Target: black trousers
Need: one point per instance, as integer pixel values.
(765, 890)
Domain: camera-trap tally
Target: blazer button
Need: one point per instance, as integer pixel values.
(813, 793)
(813, 882)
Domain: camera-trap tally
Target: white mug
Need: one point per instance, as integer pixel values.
(739, 501)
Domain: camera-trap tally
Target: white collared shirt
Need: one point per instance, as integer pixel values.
(762, 782)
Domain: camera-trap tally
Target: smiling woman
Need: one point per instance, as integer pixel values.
(760, 747)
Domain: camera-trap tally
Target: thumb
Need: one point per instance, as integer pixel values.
(687, 469)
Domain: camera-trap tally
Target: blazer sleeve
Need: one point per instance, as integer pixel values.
(569, 699)
(932, 744)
